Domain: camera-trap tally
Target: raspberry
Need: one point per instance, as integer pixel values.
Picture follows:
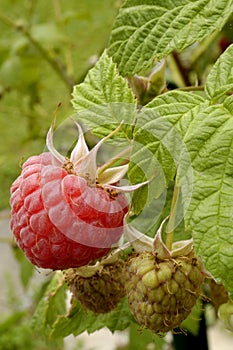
(66, 212)
(51, 215)
(100, 292)
(162, 292)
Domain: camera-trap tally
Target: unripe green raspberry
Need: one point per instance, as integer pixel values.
(100, 292)
(162, 293)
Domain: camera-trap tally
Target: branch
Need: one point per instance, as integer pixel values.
(55, 63)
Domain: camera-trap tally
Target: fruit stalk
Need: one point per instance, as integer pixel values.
(172, 218)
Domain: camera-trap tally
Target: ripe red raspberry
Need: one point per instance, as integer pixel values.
(62, 216)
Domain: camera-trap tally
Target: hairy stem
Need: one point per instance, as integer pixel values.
(115, 159)
(57, 10)
(183, 71)
(172, 218)
(191, 88)
(55, 63)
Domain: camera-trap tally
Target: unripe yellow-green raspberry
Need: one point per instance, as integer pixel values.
(100, 292)
(162, 293)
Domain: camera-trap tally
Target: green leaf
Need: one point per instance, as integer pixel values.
(209, 216)
(51, 305)
(78, 320)
(177, 107)
(194, 140)
(192, 322)
(159, 151)
(141, 338)
(145, 30)
(104, 98)
(220, 78)
(228, 104)
(11, 320)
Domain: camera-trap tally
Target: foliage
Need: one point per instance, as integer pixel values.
(15, 328)
(145, 30)
(181, 136)
(43, 45)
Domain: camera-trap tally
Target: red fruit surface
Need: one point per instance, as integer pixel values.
(58, 220)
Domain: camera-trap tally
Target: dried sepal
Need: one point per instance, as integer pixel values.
(49, 143)
(81, 149)
(112, 175)
(184, 248)
(162, 252)
(139, 241)
(128, 188)
(143, 243)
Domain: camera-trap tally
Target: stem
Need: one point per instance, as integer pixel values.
(32, 10)
(172, 218)
(114, 160)
(202, 48)
(183, 71)
(191, 88)
(55, 63)
(8, 21)
(57, 10)
(57, 66)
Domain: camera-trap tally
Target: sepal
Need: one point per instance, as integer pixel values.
(140, 242)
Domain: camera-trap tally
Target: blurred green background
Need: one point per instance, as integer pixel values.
(45, 48)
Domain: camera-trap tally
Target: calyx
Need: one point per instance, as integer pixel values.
(142, 243)
(82, 162)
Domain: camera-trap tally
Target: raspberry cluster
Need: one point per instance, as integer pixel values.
(67, 214)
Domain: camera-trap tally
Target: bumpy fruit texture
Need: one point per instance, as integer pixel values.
(58, 220)
(101, 292)
(162, 293)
